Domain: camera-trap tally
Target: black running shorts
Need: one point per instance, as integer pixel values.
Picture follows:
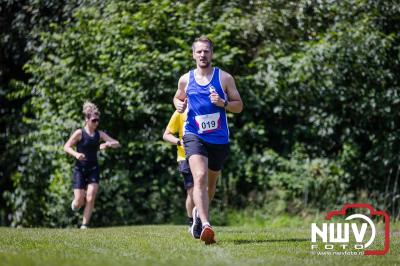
(84, 175)
(216, 153)
(184, 169)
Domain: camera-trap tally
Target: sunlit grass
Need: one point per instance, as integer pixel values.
(172, 245)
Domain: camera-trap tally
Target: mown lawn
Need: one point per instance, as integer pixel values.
(172, 245)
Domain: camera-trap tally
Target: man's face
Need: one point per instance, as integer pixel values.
(202, 53)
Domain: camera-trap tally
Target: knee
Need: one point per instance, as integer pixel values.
(200, 179)
(199, 173)
(80, 201)
(90, 198)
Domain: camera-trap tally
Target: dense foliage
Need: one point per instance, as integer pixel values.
(319, 80)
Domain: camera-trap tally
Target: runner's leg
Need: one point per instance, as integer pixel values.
(79, 198)
(90, 199)
(212, 183)
(199, 166)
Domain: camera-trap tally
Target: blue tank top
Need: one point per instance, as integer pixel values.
(89, 146)
(204, 119)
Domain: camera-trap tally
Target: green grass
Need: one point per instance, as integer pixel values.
(172, 245)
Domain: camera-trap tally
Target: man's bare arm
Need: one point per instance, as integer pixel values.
(180, 100)
(235, 104)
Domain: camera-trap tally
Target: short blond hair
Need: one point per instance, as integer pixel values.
(90, 109)
(203, 38)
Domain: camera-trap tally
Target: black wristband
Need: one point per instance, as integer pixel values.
(178, 143)
(225, 103)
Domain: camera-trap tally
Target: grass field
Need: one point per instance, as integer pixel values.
(172, 245)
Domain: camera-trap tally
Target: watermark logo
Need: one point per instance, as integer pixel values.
(350, 236)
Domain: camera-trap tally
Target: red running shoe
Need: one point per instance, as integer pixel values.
(207, 235)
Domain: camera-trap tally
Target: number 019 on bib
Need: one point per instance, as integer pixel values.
(208, 123)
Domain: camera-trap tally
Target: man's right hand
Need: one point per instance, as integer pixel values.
(80, 156)
(181, 105)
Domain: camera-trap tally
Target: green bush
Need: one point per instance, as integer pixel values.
(318, 80)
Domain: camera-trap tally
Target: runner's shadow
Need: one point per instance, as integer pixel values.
(255, 241)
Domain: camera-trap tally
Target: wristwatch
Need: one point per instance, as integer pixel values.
(225, 103)
(178, 143)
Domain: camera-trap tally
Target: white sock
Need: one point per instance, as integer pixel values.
(206, 223)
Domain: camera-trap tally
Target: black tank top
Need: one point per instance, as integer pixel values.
(89, 146)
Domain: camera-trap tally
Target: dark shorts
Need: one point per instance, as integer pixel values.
(84, 175)
(184, 169)
(216, 153)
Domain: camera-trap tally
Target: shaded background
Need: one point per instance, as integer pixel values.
(319, 81)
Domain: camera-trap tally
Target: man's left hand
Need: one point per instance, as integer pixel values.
(215, 99)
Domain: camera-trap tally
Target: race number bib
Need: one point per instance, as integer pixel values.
(208, 123)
